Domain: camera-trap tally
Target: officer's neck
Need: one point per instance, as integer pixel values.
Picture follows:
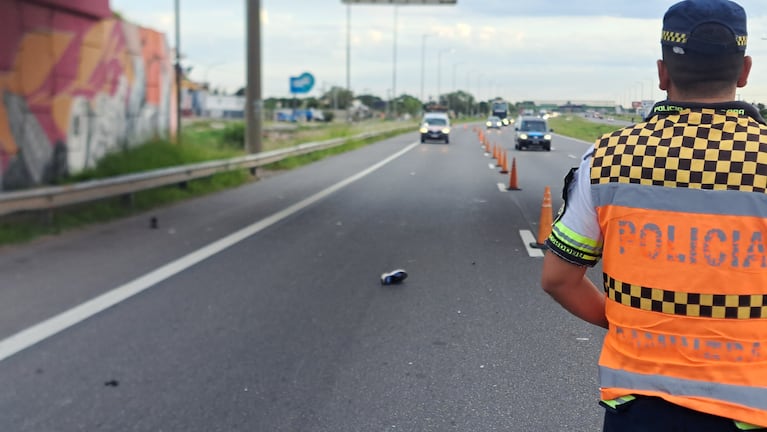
(677, 96)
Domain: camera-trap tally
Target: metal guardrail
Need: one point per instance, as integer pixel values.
(49, 198)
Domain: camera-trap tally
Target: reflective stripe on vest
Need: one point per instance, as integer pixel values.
(741, 395)
(747, 426)
(614, 403)
(682, 204)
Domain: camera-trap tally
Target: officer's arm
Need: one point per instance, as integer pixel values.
(568, 285)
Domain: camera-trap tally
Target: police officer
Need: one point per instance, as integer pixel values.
(676, 209)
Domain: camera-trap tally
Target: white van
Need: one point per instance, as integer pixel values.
(435, 126)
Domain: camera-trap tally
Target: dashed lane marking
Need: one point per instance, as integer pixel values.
(45, 329)
(527, 239)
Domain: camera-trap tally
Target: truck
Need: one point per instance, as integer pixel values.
(500, 108)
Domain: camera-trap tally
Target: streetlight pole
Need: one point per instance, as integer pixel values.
(348, 46)
(423, 62)
(468, 89)
(454, 66)
(439, 71)
(348, 60)
(394, 65)
(396, 3)
(453, 88)
(479, 93)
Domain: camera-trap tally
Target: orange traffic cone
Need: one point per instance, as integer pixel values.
(504, 163)
(513, 176)
(547, 219)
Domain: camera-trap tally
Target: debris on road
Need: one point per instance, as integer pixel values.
(393, 277)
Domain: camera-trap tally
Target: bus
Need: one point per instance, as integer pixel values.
(500, 109)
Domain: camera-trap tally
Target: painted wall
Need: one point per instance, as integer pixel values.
(75, 84)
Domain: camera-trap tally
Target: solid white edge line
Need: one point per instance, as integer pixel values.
(527, 238)
(45, 329)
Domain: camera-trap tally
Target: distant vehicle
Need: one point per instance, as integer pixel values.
(493, 122)
(285, 115)
(532, 132)
(500, 108)
(435, 127)
(433, 107)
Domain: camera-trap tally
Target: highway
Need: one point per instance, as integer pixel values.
(260, 308)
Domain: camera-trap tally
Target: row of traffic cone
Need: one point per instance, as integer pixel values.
(547, 215)
(500, 155)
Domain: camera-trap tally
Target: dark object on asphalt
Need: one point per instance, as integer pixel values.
(112, 383)
(393, 277)
(153, 222)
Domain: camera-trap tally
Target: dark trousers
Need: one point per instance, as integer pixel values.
(652, 414)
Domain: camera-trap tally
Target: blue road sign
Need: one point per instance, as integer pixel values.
(302, 83)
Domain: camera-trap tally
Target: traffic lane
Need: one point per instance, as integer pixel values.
(290, 330)
(537, 169)
(50, 275)
(576, 394)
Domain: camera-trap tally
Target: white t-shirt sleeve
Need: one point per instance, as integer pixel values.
(576, 236)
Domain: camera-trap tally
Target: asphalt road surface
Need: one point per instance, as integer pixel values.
(260, 308)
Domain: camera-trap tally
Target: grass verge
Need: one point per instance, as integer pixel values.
(198, 144)
(579, 128)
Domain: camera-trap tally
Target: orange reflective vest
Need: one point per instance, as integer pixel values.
(682, 204)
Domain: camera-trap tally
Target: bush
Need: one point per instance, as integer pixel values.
(234, 134)
(328, 116)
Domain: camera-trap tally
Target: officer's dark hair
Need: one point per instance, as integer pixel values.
(704, 75)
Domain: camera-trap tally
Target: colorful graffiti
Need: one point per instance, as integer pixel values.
(76, 84)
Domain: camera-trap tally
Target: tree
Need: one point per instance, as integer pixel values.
(373, 102)
(460, 102)
(762, 109)
(337, 98)
(409, 104)
(311, 102)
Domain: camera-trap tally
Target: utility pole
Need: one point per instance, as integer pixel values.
(394, 65)
(423, 63)
(348, 64)
(179, 73)
(253, 100)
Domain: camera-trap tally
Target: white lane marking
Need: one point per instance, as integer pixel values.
(45, 329)
(502, 187)
(527, 238)
(492, 166)
(572, 156)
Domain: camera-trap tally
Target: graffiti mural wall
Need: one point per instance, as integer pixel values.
(75, 84)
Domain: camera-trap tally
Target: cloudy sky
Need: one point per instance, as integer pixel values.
(519, 49)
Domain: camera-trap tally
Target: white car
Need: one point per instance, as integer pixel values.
(493, 122)
(436, 127)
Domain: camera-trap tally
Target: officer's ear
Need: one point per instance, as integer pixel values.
(743, 78)
(664, 81)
